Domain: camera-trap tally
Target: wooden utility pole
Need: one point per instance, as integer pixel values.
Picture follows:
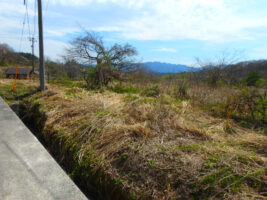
(41, 47)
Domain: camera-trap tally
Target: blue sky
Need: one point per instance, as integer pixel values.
(174, 31)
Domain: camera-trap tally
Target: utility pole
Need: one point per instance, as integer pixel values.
(32, 39)
(41, 47)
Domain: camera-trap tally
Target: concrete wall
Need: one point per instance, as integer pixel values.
(27, 170)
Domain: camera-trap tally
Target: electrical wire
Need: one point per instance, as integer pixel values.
(35, 16)
(46, 8)
(21, 37)
(28, 21)
(22, 32)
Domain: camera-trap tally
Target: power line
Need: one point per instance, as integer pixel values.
(22, 32)
(28, 21)
(35, 16)
(46, 8)
(26, 17)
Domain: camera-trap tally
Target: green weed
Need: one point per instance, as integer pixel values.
(102, 113)
(151, 163)
(189, 148)
(149, 100)
(122, 90)
(67, 82)
(118, 181)
(130, 97)
(71, 92)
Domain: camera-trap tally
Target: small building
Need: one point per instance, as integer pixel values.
(23, 73)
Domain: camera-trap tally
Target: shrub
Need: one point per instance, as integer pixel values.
(252, 104)
(261, 82)
(181, 92)
(91, 79)
(253, 78)
(151, 92)
(101, 75)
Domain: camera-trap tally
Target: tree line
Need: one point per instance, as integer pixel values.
(89, 58)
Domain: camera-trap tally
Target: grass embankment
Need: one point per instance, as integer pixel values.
(141, 145)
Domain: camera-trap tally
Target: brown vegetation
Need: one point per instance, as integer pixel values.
(158, 147)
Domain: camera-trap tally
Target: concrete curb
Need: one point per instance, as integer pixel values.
(27, 170)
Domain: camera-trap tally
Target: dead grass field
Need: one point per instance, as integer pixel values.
(156, 147)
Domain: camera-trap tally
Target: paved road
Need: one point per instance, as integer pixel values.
(27, 171)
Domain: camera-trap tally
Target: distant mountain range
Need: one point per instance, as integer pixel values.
(167, 68)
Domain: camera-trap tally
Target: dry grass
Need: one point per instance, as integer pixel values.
(159, 150)
(25, 83)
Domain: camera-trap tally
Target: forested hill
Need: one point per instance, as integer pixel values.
(233, 74)
(9, 57)
(243, 68)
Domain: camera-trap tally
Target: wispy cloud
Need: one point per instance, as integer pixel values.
(151, 19)
(164, 49)
(173, 19)
(213, 21)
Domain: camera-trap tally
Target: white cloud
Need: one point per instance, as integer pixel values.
(61, 32)
(214, 20)
(211, 20)
(54, 49)
(164, 49)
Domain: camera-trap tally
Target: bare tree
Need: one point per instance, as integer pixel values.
(213, 71)
(108, 62)
(73, 69)
(54, 69)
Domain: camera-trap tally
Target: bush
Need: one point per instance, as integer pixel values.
(151, 92)
(181, 92)
(91, 79)
(101, 75)
(253, 79)
(261, 82)
(252, 105)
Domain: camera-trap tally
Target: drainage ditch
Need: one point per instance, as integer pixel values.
(95, 184)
